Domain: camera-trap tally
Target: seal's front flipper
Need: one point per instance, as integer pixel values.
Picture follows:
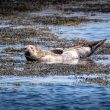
(57, 51)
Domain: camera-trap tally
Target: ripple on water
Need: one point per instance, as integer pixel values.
(102, 59)
(5, 26)
(50, 80)
(61, 93)
(90, 31)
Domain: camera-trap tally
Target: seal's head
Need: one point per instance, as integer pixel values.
(31, 53)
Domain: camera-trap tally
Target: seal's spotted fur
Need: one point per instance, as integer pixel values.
(36, 54)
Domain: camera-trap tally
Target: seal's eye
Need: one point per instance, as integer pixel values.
(32, 48)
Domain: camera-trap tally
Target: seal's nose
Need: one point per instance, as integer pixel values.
(24, 49)
(27, 53)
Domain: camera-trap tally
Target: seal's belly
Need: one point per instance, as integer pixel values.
(73, 54)
(68, 55)
(50, 58)
(81, 52)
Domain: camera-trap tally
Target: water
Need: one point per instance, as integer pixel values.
(64, 86)
(101, 61)
(90, 31)
(51, 93)
(57, 97)
(86, 31)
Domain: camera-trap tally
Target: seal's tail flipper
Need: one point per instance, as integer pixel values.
(95, 45)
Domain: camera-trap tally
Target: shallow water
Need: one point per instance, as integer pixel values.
(74, 85)
(89, 31)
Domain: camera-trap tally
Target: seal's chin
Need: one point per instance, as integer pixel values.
(28, 56)
(30, 59)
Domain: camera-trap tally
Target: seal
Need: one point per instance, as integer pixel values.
(33, 53)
